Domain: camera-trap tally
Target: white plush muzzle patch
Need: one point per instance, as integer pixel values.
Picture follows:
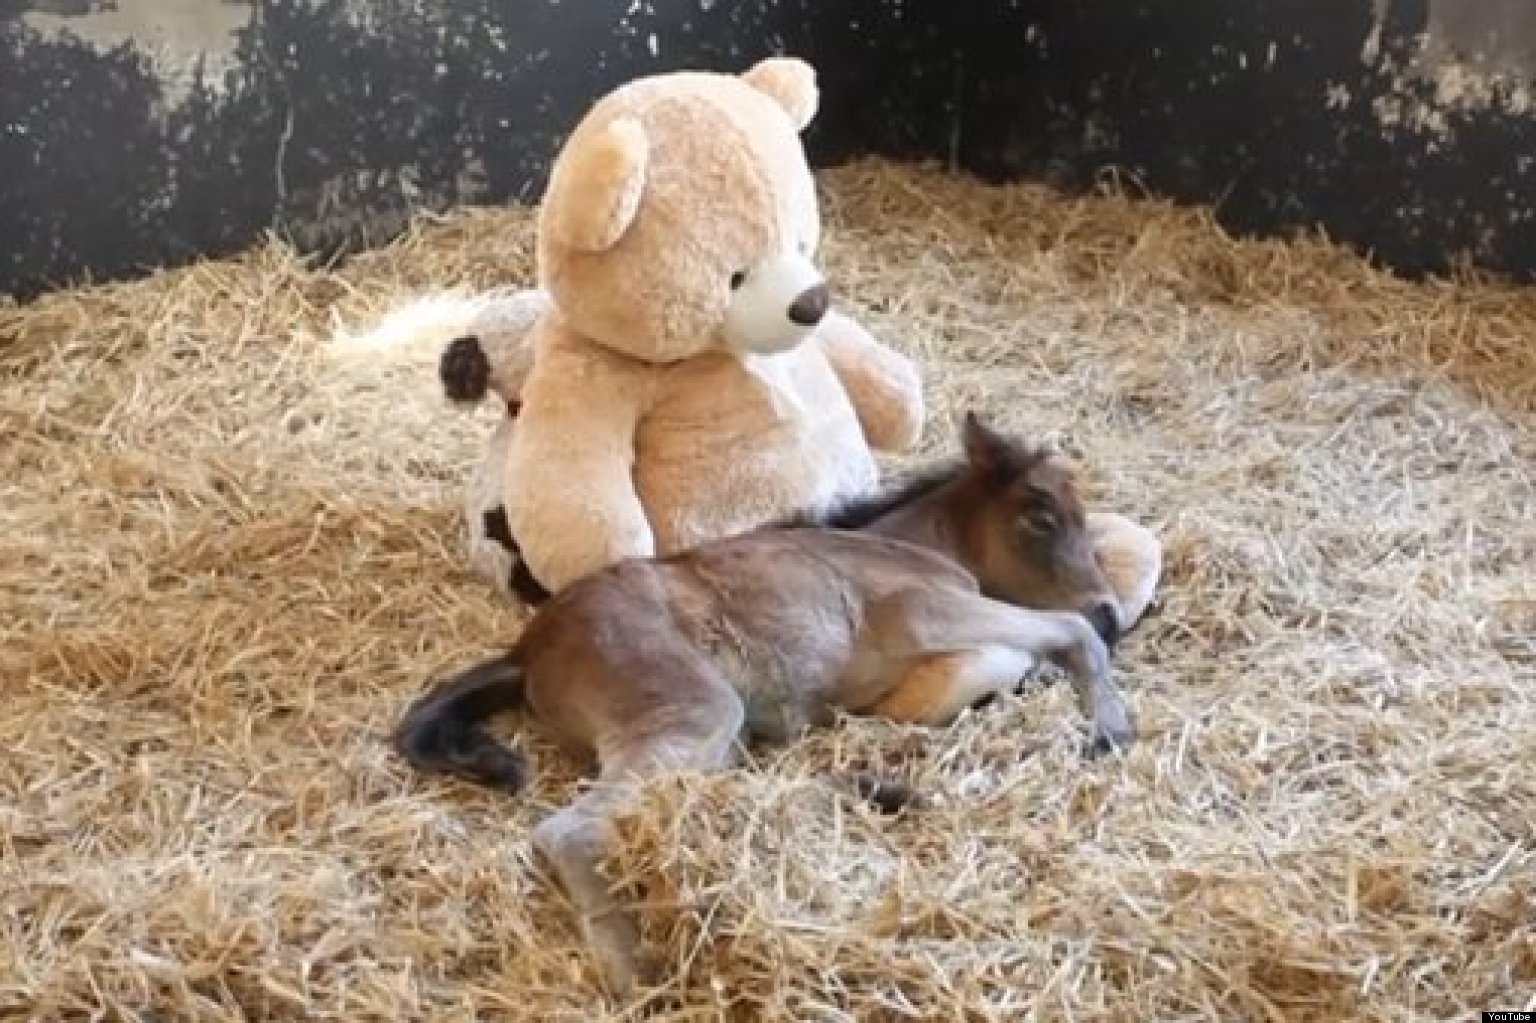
(759, 319)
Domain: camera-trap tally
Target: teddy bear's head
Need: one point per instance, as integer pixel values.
(681, 216)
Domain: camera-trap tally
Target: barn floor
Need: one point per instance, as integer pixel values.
(230, 553)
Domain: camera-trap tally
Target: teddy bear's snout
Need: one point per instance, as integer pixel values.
(776, 304)
(810, 305)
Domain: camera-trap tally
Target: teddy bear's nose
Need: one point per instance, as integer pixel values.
(810, 306)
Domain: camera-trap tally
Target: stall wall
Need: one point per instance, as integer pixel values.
(1404, 126)
(141, 133)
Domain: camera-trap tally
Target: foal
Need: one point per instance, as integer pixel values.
(663, 664)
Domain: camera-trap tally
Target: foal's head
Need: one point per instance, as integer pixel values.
(1023, 531)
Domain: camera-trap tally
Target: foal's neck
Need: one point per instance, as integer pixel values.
(929, 521)
(929, 510)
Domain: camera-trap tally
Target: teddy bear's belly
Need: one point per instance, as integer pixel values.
(723, 454)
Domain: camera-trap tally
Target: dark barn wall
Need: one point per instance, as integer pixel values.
(1407, 127)
(141, 133)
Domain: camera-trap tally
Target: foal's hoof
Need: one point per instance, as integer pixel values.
(627, 966)
(888, 797)
(1110, 740)
(628, 973)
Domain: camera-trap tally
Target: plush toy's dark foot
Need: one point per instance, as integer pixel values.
(528, 589)
(464, 370)
(495, 524)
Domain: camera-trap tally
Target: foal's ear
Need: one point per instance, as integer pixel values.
(988, 452)
(1051, 451)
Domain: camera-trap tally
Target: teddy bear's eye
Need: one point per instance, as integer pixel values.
(738, 279)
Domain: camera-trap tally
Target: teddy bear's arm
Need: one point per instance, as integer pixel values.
(570, 495)
(1132, 557)
(882, 383)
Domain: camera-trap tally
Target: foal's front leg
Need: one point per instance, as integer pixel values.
(970, 646)
(935, 690)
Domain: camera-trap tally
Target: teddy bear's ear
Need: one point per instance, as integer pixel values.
(595, 190)
(791, 83)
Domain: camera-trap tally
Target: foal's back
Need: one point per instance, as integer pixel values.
(775, 614)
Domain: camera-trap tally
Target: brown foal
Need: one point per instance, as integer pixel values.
(912, 607)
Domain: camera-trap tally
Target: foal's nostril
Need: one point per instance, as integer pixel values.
(1105, 619)
(810, 306)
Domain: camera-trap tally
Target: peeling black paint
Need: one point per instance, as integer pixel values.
(337, 118)
(1224, 103)
(334, 125)
(81, 161)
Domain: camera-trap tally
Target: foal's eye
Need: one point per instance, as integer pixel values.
(1038, 521)
(738, 279)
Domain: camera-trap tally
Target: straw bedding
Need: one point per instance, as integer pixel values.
(230, 553)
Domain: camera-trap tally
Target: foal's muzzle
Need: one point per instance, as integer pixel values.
(1105, 619)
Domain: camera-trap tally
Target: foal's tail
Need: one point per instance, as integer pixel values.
(443, 732)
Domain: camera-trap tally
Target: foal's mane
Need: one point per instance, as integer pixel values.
(1003, 463)
(862, 511)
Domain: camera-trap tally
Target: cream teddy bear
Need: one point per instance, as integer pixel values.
(679, 374)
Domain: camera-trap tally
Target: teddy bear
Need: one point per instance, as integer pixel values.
(679, 373)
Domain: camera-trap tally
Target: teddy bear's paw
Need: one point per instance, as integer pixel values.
(464, 370)
(494, 525)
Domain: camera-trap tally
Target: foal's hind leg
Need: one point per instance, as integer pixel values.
(698, 735)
